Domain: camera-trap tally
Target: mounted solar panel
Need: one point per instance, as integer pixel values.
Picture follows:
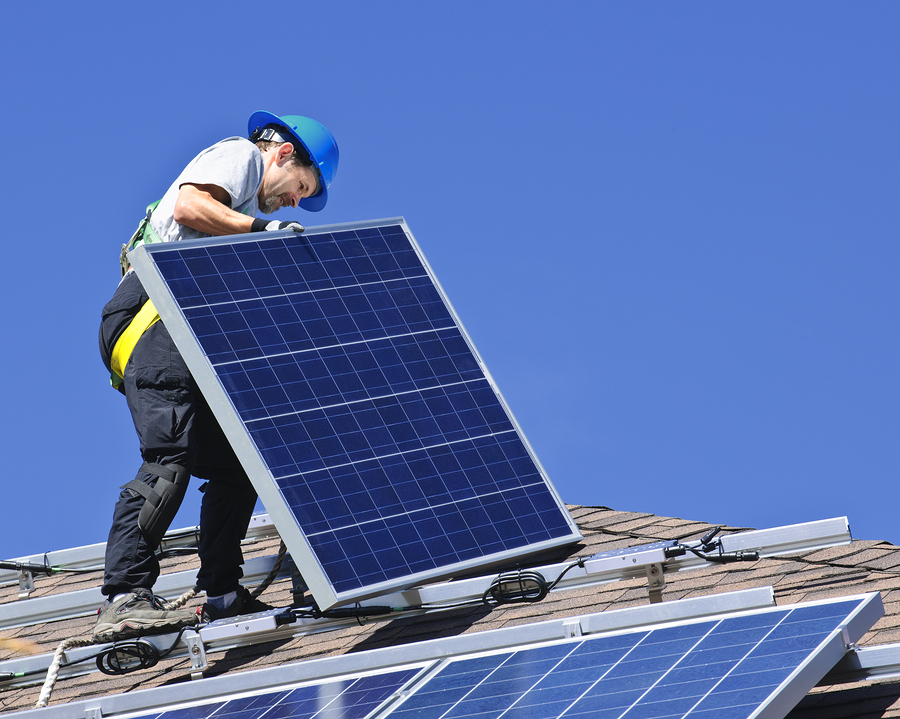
(356, 402)
(739, 665)
(754, 665)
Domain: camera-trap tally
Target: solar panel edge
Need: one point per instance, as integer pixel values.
(798, 684)
(429, 657)
(776, 702)
(271, 496)
(491, 382)
(782, 699)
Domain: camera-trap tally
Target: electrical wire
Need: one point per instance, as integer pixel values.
(132, 655)
(577, 563)
(45, 568)
(514, 587)
(126, 656)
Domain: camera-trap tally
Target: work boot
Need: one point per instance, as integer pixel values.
(139, 613)
(244, 603)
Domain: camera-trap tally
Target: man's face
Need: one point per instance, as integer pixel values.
(284, 185)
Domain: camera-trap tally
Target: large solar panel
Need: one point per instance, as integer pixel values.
(349, 389)
(750, 664)
(730, 668)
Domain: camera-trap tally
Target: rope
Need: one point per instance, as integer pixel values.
(184, 598)
(53, 669)
(282, 550)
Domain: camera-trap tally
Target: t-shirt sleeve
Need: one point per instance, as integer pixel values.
(235, 165)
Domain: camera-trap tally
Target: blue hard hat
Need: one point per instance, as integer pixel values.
(316, 140)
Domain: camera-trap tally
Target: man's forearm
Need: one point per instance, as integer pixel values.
(199, 208)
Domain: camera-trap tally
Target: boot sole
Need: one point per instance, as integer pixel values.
(134, 628)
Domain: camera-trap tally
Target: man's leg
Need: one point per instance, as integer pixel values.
(130, 561)
(161, 398)
(224, 517)
(228, 502)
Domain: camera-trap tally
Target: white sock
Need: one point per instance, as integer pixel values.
(223, 600)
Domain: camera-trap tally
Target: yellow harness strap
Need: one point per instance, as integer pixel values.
(128, 339)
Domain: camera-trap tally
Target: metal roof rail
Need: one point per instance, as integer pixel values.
(91, 556)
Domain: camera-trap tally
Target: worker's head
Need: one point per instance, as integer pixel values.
(288, 180)
(313, 152)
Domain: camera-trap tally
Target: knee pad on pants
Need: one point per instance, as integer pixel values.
(162, 501)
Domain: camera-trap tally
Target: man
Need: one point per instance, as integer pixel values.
(289, 161)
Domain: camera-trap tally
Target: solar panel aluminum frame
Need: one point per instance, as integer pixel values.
(202, 370)
(838, 644)
(438, 652)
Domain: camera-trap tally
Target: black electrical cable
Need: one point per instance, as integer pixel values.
(721, 558)
(176, 552)
(515, 587)
(128, 656)
(132, 655)
(45, 568)
(577, 563)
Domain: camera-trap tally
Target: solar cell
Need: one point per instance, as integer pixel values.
(757, 663)
(728, 668)
(366, 420)
(342, 699)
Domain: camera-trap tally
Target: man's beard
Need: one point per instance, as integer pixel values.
(269, 205)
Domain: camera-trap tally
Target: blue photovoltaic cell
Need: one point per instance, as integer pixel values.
(365, 400)
(348, 699)
(718, 669)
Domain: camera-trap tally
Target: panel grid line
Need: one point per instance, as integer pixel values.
(670, 670)
(603, 675)
(263, 298)
(348, 387)
(409, 451)
(738, 664)
(389, 517)
(544, 676)
(339, 344)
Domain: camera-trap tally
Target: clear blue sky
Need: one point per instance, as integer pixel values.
(671, 229)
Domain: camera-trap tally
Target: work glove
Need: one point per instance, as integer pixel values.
(290, 225)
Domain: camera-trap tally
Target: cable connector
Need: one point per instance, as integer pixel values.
(677, 551)
(705, 542)
(44, 568)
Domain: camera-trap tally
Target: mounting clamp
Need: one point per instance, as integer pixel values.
(26, 583)
(197, 653)
(656, 580)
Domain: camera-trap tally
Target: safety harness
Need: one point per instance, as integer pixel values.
(144, 233)
(147, 315)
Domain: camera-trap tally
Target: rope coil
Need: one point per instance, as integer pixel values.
(113, 660)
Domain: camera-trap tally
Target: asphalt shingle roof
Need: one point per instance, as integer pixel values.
(863, 566)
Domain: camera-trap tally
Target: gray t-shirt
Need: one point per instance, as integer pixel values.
(235, 165)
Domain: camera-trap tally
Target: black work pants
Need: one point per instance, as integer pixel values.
(174, 425)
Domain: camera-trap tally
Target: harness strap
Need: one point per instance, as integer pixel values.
(124, 346)
(144, 233)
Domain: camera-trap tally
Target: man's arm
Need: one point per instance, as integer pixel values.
(205, 208)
